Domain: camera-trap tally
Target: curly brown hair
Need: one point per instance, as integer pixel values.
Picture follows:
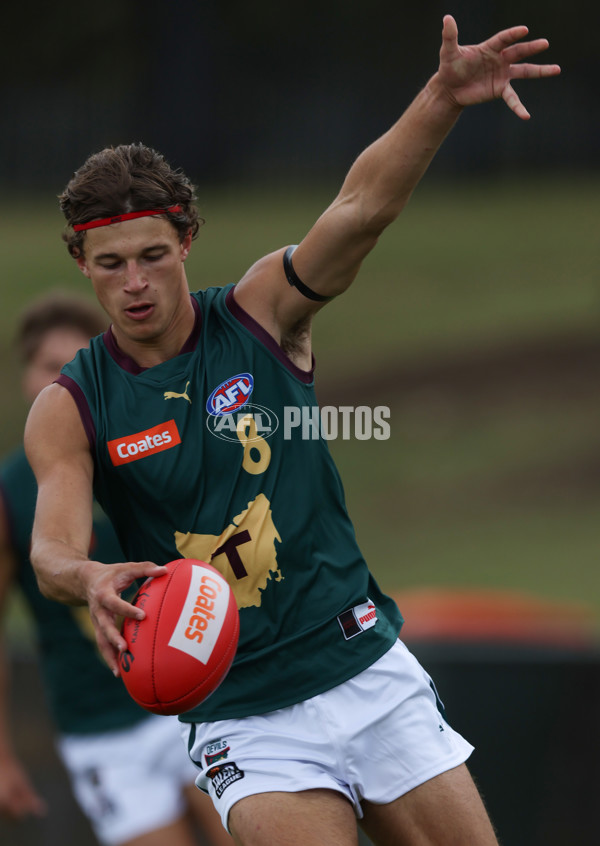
(127, 178)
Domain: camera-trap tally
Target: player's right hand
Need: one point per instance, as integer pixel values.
(476, 73)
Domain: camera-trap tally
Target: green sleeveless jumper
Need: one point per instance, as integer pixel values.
(83, 695)
(193, 458)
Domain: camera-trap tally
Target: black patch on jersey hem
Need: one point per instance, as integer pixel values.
(349, 624)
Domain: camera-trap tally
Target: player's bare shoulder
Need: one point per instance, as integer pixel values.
(261, 286)
(266, 295)
(54, 426)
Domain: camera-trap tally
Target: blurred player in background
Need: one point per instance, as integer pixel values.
(128, 768)
(324, 717)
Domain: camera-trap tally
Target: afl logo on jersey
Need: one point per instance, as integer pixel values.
(230, 395)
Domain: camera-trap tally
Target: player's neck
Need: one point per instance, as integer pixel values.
(151, 349)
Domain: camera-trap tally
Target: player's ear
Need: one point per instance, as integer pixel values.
(82, 265)
(186, 245)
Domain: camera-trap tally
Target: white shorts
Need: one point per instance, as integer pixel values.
(129, 782)
(374, 738)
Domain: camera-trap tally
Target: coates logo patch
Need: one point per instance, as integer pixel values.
(230, 395)
(142, 444)
(202, 615)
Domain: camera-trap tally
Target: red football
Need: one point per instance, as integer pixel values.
(183, 648)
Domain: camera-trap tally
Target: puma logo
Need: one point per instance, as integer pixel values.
(175, 395)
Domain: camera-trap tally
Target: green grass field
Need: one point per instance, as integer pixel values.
(448, 499)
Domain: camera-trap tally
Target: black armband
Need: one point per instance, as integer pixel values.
(296, 282)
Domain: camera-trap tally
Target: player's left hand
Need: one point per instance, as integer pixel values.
(481, 72)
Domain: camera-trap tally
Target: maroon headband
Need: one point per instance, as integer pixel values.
(106, 221)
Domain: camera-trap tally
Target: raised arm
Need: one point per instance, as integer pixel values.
(382, 179)
(59, 454)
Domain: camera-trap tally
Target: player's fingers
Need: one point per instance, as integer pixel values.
(449, 36)
(512, 100)
(110, 644)
(532, 71)
(506, 38)
(147, 568)
(516, 52)
(104, 596)
(123, 575)
(104, 619)
(449, 28)
(111, 606)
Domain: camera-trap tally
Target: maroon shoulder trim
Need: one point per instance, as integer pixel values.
(267, 340)
(82, 406)
(124, 361)
(192, 341)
